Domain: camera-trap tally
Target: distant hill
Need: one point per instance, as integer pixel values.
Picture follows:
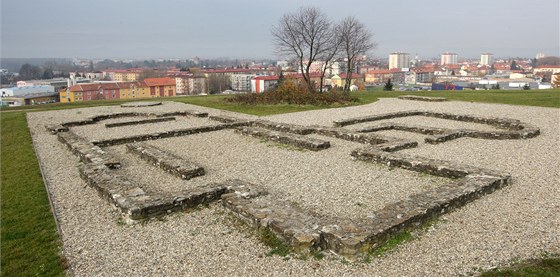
(14, 64)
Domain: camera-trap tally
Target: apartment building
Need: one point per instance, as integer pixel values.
(161, 87)
(486, 59)
(90, 91)
(241, 82)
(189, 84)
(449, 58)
(131, 90)
(383, 75)
(399, 60)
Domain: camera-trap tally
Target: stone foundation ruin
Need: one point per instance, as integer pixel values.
(304, 230)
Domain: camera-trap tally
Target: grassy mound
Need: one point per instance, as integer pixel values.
(293, 94)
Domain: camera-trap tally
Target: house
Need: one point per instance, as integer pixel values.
(263, 83)
(90, 91)
(340, 80)
(419, 76)
(161, 87)
(546, 68)
(190, 84)
(379, 76)
(130, 90)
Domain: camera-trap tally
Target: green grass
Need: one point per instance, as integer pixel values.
(545, 267)
(391, 244)
(541, 98)
(30, 242)
(277, 246)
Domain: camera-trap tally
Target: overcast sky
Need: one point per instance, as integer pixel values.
(241, 28)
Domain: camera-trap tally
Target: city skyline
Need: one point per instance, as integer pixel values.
(241, 29)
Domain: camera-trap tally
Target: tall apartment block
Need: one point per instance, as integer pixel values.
(399, 60)
(448, 58)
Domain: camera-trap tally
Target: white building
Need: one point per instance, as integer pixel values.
(399, 60)
(190, 85)
(241, 82)
(21, 91)
(486, 59)
(263, 83)
(448, 58)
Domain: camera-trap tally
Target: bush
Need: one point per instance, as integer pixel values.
(291, 93)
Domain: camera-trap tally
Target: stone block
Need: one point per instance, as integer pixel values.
(285, 138)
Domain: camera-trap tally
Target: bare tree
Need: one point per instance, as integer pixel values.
(356, 40)
(305, 36)
(333, 46)
(217, 83)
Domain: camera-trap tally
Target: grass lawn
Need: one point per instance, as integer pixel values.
(30, 244)
(541, 98)
(545, 267)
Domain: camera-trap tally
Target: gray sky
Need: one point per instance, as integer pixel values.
(241, 28)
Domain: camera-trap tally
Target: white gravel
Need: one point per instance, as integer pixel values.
(518, 222)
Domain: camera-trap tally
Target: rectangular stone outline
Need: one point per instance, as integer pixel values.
(170, 163)
(139, 122)
(423, 98)
(168, 134)
(353, 239)
(63, 127)
(285, 138)
(100, 171)
(350, 239)
(134, 203)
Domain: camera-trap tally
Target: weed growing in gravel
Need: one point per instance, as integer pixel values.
(318, 255)
(283, 146)
(392, 243)
(266, 236)
(402, 237)
(271, 240)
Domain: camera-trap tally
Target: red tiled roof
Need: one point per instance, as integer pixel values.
(423, 70)
(266, 78)
(548, 66)
(353, 76)
(166, 81)
(125, 85)
(93, 86)
(85, 87)
(452, 66)
(384, 71)
(300, 76)
(228, 70)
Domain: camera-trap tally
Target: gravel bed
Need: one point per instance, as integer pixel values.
(403, 135)
(149, 177)
(518, 222)
(329, 181)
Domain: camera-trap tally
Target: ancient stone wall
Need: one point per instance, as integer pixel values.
(303, 230)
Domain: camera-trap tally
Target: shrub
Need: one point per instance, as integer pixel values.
(292, 93)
